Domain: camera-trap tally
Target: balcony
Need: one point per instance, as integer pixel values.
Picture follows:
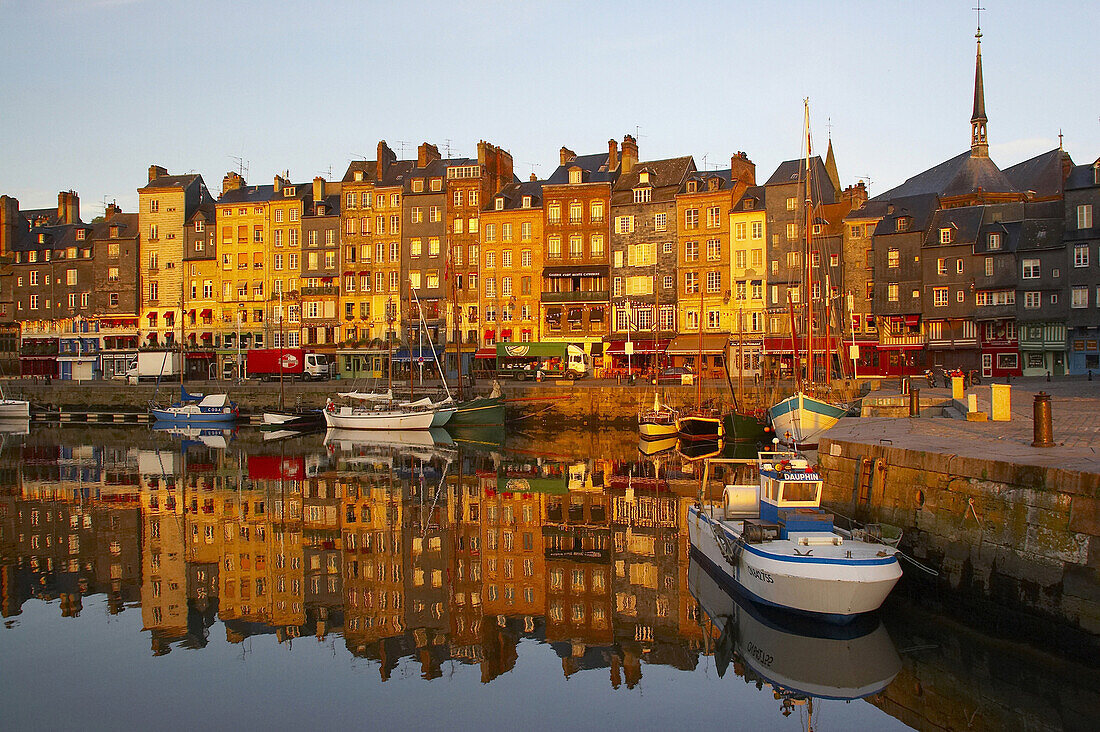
(323, 291)
(905, 340)
(582, 296)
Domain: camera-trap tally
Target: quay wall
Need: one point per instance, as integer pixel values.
(1016, 537)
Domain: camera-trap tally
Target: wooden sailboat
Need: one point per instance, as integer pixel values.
(802, 417)
(701, 424)
(659, 422)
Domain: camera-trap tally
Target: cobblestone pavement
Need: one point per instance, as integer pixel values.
(1075, 408)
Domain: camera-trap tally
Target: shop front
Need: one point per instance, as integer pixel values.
(636, 356)
(685, 350)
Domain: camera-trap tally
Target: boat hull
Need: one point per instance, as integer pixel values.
(747, 428)
(14, 409)
(174, 416)
(800, 419)
(480, 411)
(697, 427)
(346, 418)
(656, 430)
(835, 590)
(442, 416)
(294, 420)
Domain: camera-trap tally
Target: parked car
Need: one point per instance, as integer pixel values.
(675, 375)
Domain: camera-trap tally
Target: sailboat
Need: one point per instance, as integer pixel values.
(802, 417)
(486, 410)
(14, 408)
(658, 423)
(700, 424)
(745, 424)
(194, 408)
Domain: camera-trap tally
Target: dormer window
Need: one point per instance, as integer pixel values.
(693, 186)
(114, 232)
(357, 176)
(574, 176)
(80, 234)
(712, 184)
(418, 185)
(749, 204)
(526, 202)
(41, 240)
(320, 209)
(288, 192)
(945, 235)
(994, 241)
(1096, 173)
(902, 224)
(642, 195)
(499, 203)
(437, 184)
(817, 228)
(643, 177)
(200, 226)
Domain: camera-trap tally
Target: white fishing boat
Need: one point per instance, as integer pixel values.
(800, 418)
(379, 416)
(775, 544)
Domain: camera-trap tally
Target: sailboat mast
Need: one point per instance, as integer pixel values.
(740, 353)
(183, 357)
(807, 259)
(282, 349)
(795, 366)
(828, 352)
(699, 382)
(391, 312)
(410, 340)
(456, 313)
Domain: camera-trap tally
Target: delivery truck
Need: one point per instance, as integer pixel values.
(541, 360)
(294, 363)
(153, 365)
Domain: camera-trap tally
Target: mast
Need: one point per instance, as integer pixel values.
(390, 313)
(410, 340)
(456, 313)
(740, 355)
(807, 306)
(699, 381)
(828, 342)
(795, 367)
(282, 348)
(183, 357)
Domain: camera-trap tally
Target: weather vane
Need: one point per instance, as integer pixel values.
(979, 10)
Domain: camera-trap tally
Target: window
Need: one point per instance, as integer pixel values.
(416, 215)
(959, 296)
(660, 222)
(790, 204)
(941, 266)
(525, 258)
(576, 246)
(892, 293)
(624, 224)
(714, 319)
(1081, 255)
(490, 232)
(945, 235)
(668, 282)
(1084, 216)
(893, 258)
(553, 213)
(691, 251)
(714, 250)
(70, 277)
(595, 212)
(792, 232)
(434, 215)
(112, 274)
(714, 281)
(641, 195)
(525, 231)
(989, 266)
(691, 282)
(553, 247)
(1079, 297)
(691, 218)
(506, 232)
(1031, 269)
(714, 217)
(1032, 300)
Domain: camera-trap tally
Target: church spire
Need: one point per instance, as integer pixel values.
(979, 146)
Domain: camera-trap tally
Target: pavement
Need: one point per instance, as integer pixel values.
(1075, 412)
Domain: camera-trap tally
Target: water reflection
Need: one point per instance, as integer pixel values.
(443, 549)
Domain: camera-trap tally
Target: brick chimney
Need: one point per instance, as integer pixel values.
(612, 154)
(534, 177)
(742, 169)
(383, 159)
(231, 182)
(630, 154)
(111, 210)
(155, 171)
(9, 216)
(857, 194)
(318, 190)
(68, 207)
(565, 155)
(278, 183)
(426, 153)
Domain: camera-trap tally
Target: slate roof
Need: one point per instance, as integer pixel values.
(957, 176)
(1082, 176)
(965, 221)
(920, 208)
(171, 181)
(127, 227)
(260, 194)
(513, 194)
(49, 214)
(665, 176)
(367, 166)
(1010, 237)
(757, 194)
(594, 165)
(1042, 174)
(790, 171)
(871, 209)
(1041, 234)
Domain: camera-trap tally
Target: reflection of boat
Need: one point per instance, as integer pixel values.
(197, 409)
(305, 419)
(353, 439)
(653, 447)
(213, 436)
(749, 427)
(797, 656)
(699, 449)
(774, 543)
(483, 436)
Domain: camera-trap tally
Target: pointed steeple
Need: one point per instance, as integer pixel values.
(979, 146)
(830, 168)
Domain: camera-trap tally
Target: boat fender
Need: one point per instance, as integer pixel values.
(331, 406)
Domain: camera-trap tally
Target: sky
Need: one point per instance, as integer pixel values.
(95, 91)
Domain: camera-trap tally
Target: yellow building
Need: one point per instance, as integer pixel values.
(749, 280)
(511, 263)
(166, 206)
(163, 557)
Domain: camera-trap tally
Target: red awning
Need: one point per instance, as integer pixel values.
(489, 352)
(364, 272)
(206, 313)
(912, 320)
(490, 334)
(152, 316)
(506, 333)
(207, 336)
(191, 311)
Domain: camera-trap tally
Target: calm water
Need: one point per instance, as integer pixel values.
(217, 579)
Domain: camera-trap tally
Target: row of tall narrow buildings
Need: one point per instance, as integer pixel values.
(963, 265)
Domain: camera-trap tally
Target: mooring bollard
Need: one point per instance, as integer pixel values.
(1044, 427)
(914, 402)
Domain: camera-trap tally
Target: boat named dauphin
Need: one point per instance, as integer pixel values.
(772, 542)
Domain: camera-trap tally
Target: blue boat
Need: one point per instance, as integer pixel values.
(196, 409)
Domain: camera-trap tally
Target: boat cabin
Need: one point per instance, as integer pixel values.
(790, 495)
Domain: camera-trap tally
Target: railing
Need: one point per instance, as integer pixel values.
(581, 296)
(906, 340)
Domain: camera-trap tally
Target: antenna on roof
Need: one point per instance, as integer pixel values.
(242, 165)
(401, 145)
(866, 178)
(447, 147)
(1059, 138)
(359, 155)
(529, 164)
(829, 126)
(328, 173)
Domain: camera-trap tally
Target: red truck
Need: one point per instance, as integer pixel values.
(294, 363)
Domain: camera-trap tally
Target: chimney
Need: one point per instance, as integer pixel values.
(426, 153)
(742, 169)
(383, 159)
(856, 194)
(231, 182)
(68, 207)
(534, 177)
(155, 171)
(278, 183)
(111, 210)
(630, 154)
(318, 190)
(9, 216)
(612, 154)
(566, 155)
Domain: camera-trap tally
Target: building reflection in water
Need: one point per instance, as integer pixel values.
(421, 554)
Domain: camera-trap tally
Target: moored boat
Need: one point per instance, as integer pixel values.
(700, 425)
(657, 423)
(197, 408)
(479, 411)
(800, 419)
(14, 408)
(379, 417)
(774, 543)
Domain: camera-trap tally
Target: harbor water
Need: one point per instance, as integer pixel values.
(469, 580)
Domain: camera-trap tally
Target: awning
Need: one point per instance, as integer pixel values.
(688, 344)
(206, 313)
(506, 333)
(595, 315)
(912, 320)
(490, 334)
(206, 336)
(618, 348)
(553, 315)
(576, 315)
(363, 272)
(152, 316)
(191, 311)
(486, 353)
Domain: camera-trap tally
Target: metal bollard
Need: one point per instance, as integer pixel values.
(914, 402)
(1043, 425)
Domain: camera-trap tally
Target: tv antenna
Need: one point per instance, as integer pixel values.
(327, 173)
(242, 165)
(401, 145)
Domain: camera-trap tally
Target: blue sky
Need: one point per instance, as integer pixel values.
(94, 91)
